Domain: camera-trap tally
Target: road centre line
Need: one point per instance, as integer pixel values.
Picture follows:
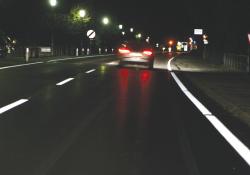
(12, 105)
(90, 71)
(64, 81)
(236, 143)
(75, 58)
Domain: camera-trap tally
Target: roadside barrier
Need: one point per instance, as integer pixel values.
(236, 62)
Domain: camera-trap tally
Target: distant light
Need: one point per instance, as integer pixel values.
(139, 35)
(131, 29)
(123, 33)
(53, 3)
(157, 44)
(205, 36)
(171, 42)
(120, 26)
(170, 49)
(82, 13)
(105, 20)
(164, 48)
(205, 41)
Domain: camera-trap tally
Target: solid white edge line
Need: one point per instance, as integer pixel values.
(90, 71)
(239, 146)
(169, 64)
(65, 59)
(12, 105)
(64, 81)
(20, 65)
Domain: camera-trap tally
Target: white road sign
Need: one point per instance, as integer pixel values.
(198, 31)
(91, 34)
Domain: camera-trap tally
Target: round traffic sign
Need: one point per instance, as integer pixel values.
(91, 34)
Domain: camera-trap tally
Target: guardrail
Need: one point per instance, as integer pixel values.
(40, 52)
(236, 62)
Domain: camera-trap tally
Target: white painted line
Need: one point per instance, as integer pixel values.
(64, 81)
(113, 63)
(242, 149)
(55, 60)
(169, 64)
(12, 105)
(239, 146)
(19, 65)
(75, 58)
(90, 71)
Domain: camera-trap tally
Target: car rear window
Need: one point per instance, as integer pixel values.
(137, 45)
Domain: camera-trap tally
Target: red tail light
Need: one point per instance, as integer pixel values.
(147, 52)
(124, 51)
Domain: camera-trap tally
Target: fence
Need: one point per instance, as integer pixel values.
(236, 62)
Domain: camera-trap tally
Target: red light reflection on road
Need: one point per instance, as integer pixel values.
(144, 76)
(144, 98)
(122, 97)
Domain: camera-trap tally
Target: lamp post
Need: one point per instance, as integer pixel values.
(53, 4)
(82, 13)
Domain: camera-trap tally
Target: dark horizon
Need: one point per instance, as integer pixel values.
(159, 19)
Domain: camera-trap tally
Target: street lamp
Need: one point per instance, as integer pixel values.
(82, 13)
(53, 3)
(105, 21)
(139, 35)
(123, 33)
(171, 42)
(120, 26)
(131, 29)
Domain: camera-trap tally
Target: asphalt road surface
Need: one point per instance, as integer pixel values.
(92, 117)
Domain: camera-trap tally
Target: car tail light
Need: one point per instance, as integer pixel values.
(147, 52)
(124, 51)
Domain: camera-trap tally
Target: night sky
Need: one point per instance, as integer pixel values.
(159, 18)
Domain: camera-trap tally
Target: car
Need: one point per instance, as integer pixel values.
(136, 52)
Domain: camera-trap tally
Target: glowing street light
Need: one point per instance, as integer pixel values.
(139, 35)
(123, 33)
(53, 3)
(120, 26)
(105, 21)
(82, 13)
(171, 42)
(131, 29)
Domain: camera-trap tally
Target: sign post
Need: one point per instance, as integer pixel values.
(248, 50)
(91, 34)
(27, 54)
